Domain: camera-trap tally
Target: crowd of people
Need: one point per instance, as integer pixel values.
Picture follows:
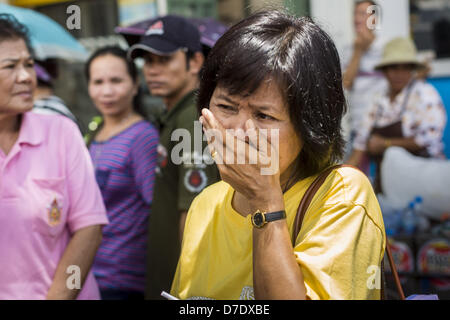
(136, 223)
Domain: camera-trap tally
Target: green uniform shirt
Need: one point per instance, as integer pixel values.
(180, 176)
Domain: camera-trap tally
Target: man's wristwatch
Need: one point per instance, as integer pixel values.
(260, 219)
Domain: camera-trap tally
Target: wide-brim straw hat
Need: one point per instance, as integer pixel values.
(399, 51)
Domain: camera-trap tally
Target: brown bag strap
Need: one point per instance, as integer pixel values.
(307, 198)
(398, 284)
(303, 207)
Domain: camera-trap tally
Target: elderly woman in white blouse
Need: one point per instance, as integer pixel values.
(410, 114)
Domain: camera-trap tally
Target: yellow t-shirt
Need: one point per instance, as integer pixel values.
(339, 248)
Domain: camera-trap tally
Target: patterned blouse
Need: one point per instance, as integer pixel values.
(423, 117)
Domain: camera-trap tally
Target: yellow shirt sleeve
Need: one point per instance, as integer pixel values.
(335, 239)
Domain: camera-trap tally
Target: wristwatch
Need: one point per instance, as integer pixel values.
(260, 219)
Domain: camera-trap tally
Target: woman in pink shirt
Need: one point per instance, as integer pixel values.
(51, 209)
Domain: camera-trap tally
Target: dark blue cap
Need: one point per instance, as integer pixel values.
(167, 35)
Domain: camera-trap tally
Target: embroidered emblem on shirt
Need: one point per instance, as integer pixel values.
(247, 293)
(195, 180)
(156, 28)
(54, 213)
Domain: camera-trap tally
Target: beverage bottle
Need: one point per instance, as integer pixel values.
(391, 216)
(409, 219)
(423, 224)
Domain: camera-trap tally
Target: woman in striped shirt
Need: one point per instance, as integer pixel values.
(124, 153)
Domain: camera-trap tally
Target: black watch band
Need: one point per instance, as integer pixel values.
(274, 216)
(260, 219)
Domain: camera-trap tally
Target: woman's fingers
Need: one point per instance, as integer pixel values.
(247, 146)
(214, 136)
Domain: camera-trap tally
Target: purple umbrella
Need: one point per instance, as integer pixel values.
(210, 30)
(41, 73)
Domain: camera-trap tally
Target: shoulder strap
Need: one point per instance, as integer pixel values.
(398, 284)
(303, 207)
(407, 95)
(307, 198)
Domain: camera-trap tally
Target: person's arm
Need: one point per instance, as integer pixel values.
(276, 273)
(79, 252)
(378, 144)
(362, 44)
(86, 214)
(352, 69)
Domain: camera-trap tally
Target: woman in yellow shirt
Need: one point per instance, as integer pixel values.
(272, 101)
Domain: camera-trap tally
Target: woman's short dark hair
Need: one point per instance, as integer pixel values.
(12, 29)
(131, 69)
(304, 62)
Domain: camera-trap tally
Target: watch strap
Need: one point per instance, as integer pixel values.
(277, 215)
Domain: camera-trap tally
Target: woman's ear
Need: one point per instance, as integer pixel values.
(196, 62)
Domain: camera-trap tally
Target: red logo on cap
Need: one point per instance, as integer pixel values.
(156, 28)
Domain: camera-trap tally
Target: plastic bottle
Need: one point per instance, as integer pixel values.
(418, 205)
(409, 219)
(423, 224)
(391, 216)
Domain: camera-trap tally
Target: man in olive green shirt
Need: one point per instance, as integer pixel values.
(172, 52)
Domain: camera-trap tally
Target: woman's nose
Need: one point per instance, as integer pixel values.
(25, 76)
(237, 122)
(107, 89)
(152, 68)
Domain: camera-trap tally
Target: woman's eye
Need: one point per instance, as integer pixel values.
(225, 107)
(264, 116)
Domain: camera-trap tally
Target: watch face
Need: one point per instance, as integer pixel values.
(258, 219)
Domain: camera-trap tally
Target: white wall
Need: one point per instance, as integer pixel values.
(162, 7)
(336, 17)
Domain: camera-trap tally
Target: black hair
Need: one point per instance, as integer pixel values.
(12, 29)
(304, 62)
(131, 68)
(47, 84)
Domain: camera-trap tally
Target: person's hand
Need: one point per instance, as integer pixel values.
(364, 39)
(243, 159)
(377, 144)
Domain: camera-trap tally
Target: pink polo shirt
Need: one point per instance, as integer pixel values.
(47, 192)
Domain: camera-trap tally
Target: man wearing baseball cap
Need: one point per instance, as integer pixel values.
(171, 50)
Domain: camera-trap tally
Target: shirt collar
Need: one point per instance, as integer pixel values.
(402, 95)
(31, 131)
(178, 106)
